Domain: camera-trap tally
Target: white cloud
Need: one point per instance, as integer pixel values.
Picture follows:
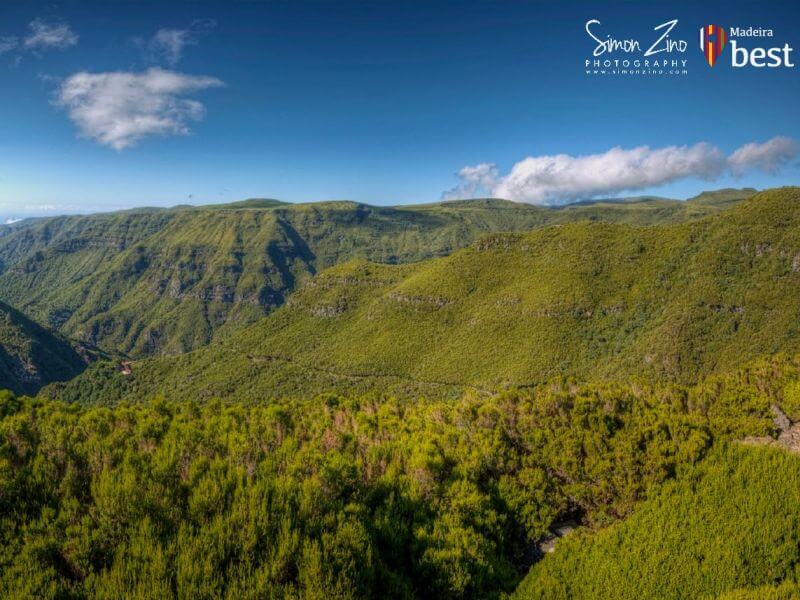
(43, 36)
(118, 109)
(168, 44)
(473, 180)
(769, 156)
(46, 35)
(7, 44)
(561, 178)
(12, 220)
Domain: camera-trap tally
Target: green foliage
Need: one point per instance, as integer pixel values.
(31, 356)
(154, 281)
(730, 522)
(595, 301)
(791, 400)
(361, 448)
(787, 590)
(336, 497)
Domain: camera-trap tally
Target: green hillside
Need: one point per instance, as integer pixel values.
(731, 522)
(31, 356)
(413, 418)
(156, 281)
(723, 198)
(91, 239)
(588, 300)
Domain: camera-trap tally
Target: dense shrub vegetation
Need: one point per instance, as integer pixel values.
(340, 497)
(733, 521)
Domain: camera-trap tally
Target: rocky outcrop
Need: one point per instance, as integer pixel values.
(788, 437)
(557, 531)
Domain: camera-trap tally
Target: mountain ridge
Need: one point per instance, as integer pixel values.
(152, 282)
(590, 300)
(722, 195)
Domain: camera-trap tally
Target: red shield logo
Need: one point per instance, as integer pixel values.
(712, 41)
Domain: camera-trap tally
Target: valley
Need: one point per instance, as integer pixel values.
(341, 401)
(31, 356)
(594, 301)
(165, 281)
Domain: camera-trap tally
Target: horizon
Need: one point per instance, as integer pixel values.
(8, 219)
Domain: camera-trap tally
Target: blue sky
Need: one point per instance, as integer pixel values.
(372, 101)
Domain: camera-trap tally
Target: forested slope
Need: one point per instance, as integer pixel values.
(418, 422)
(728, 526)
(589, 300)
(31, 356)
(155, 281)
